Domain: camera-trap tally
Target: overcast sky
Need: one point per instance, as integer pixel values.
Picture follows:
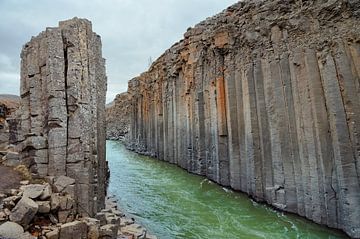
(132, 31)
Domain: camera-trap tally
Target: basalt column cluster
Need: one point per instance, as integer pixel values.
(263, 97)
(63, 87)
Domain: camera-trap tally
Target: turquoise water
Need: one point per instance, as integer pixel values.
(172, 203)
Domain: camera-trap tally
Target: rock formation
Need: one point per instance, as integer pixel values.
(264, 98)
(8, 120)
(117, 120)
(63, 87)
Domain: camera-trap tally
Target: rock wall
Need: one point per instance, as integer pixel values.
(63, 87)
(264, 98)
(8, 120)
(117, 120)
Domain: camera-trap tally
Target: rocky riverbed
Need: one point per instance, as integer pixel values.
(47, 210)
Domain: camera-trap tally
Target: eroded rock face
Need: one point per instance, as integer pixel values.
(263, 97)
(117, 117)
(9, 122)
(63, 87)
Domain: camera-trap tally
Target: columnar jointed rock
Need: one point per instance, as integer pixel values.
(117, 117)
(63, 86)
(263, 97)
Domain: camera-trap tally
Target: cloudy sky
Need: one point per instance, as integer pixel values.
(132, 31)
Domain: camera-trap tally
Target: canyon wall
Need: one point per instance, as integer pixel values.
(117, 119)
(264, 98)
(63, 87)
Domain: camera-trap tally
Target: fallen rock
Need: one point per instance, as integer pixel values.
(93, 228)
(73, 230)
(12, 159)
(11, 230)
(55, 201)
(112, 219)
(101, 217)
(10, 202)
(62, 182)
(46, 192)
(3, 216)
(134, 229)
(44, 206)
(109, 231)
(32, 191)
(24, 211)
(24, 182)
(54, 234)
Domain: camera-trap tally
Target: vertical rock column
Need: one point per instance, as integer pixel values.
(264, 98)
(63, 87)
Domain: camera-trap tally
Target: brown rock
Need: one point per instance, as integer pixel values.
(263, 100)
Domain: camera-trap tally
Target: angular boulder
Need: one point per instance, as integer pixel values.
(24, 211)
(73, 230)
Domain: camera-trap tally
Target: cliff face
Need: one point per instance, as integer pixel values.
(264, 98)
(117, 119)
(63, 86)
(8, 120)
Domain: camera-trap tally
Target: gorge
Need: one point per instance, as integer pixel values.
(263, 98)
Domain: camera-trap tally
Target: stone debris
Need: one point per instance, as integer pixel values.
(263, 98)
(14, 231)
(55, 217)
(24, 211)
(33, 190)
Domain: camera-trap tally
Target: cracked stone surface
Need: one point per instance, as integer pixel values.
(63, 87)
(264, 98)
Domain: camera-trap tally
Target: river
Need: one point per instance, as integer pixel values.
(172, 203)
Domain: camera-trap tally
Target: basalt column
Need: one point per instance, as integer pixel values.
(63, 87)
(264, 98)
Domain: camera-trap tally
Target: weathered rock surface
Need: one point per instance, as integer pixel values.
(8, 120)
(63, 86)
(117, 117)
(13, 230)
(24, 211)
(263, 97)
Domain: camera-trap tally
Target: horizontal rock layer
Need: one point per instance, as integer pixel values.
(63, 87)
(264, 98)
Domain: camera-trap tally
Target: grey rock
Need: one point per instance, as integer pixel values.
(265, 106)
(54, 234)
(62, 182)
(24, 211)
(109, 231)
(11, 230)
(63, 128)
(73, 230)
(43, 206)
(32, 191)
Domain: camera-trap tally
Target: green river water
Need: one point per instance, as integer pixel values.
(172, 203)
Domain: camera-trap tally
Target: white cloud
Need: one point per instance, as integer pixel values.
(131, 31)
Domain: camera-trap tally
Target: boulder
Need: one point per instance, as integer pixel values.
(101, 216)
(33, 191)
(54, 234)
(11, 230)
(12, 159)
(93, 228)
(46, 192)
(109, 231)
(24, 211)
(135, 229)
(62, 182)
(44, 206)
(73, 230)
